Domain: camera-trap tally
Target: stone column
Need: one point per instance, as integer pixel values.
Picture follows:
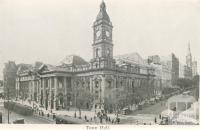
(55, 91)
(33, 93)
(91, 85)
(65, 88)
(39, 90)
(44, 91)
(50, 89)
(65, 85)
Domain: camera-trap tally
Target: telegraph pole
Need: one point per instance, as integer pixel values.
(8, 105)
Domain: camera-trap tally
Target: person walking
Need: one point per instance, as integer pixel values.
(75, 115)
(155, 120)
(112, 121)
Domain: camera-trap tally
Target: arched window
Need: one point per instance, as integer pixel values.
(109, 84)
(96, 84)
(108, 52)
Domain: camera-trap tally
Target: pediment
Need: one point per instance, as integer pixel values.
(44, 68)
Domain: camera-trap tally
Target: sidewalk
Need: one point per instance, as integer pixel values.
(48, 114)
(139, 118)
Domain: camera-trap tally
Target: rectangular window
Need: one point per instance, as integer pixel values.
(96, 94)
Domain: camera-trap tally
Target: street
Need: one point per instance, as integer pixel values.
(14, 116)
(146, 115)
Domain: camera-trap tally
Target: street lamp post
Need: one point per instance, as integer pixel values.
(100, 98)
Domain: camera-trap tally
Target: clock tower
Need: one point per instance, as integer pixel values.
(102, 42)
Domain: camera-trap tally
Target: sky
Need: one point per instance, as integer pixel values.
(49, 30)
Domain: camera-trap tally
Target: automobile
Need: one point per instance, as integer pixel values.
(125, 111)
(152, 101)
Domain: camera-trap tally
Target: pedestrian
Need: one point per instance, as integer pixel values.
(118, 120)
(48, 115)
(39, 112)
(109, 119)
(54, 116)
(106, 119)
(112, 121)
(160, 116)
(155, 120)
(42, 113)
(75, 115)
(85, 117)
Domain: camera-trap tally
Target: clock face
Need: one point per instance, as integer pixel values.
(107, 34)
(98, 34)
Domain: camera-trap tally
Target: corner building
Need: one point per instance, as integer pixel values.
(107, 82)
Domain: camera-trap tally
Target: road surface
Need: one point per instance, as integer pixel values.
(28, 119)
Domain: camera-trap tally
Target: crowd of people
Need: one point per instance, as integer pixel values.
(99, 118)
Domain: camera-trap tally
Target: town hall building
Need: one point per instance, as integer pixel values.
(103, 82)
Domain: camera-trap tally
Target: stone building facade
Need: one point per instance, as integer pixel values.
(194, 68)
(105, 79)
(163, 75)
(175, 69)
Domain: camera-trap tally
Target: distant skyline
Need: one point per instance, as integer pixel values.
(49, 30)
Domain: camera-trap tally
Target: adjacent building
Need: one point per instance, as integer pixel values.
(1, 88)
(194, 68)
(181, 70)
(163, 75)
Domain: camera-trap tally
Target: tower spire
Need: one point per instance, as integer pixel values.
(189, 56)
(189, 51)
(102, 15)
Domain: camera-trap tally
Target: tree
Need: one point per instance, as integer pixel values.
(196, 86)
(183, 83)
(82, 97)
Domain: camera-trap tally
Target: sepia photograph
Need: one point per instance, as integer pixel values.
(99, 63)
